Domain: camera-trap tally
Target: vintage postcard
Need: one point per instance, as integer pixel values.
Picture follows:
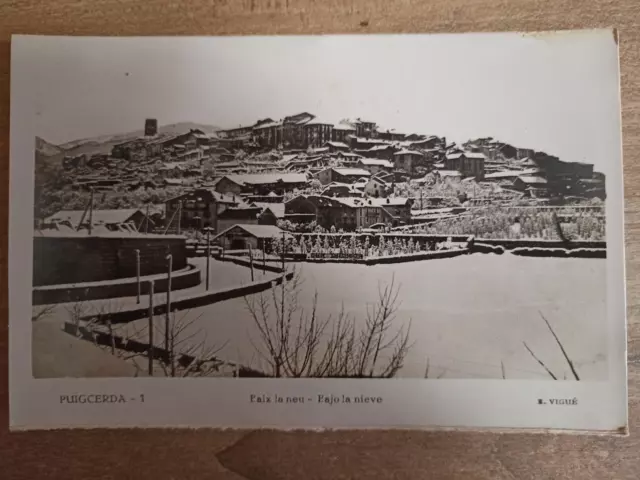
(389, 231)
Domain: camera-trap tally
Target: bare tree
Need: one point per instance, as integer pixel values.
(565, 355)
(77, 311)
(294, 342)
(189, 353)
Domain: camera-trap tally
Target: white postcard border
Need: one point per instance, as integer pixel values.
(225, 403)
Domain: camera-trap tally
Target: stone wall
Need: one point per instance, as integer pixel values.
(80, 258)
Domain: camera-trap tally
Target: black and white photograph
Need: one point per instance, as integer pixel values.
(392, 207)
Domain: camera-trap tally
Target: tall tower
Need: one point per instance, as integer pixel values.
(150, 127)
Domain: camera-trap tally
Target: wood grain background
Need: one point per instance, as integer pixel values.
(272, 455)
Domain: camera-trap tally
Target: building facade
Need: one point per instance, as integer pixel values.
(197, 209)
(407, 160)
(317, 133)
(467, 163)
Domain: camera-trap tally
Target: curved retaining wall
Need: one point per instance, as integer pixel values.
(73, 258)
(195, 300)
(126, 287)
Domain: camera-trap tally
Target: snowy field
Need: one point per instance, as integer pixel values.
(469, 315)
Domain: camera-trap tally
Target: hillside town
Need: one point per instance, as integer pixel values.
(301, 173)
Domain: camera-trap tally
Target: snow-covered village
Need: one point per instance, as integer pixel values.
(311, 247)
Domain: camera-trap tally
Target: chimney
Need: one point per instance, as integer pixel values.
(150, 127)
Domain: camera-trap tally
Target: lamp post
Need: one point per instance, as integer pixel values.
(251, 262)
(150, 328)
(91, 212)
(166, 321)
(208, 230)
(138, 273)
(179, 216)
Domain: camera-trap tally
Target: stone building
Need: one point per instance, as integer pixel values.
(469, 164)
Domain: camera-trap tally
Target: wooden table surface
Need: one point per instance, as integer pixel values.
(271, 455)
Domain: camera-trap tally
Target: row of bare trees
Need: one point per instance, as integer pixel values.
(298, 342)
(291, 340)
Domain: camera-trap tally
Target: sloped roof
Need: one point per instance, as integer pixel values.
(320, 121)
(337, 144)
(267, 125)
(350, 172)
(511, 173)
(406, 151)
(533, 179)
(110, 216)
(344, 126)
(379, 180)
(377, 148)
(375, 161)
(217, 196)
(257, 231)
(276, 208)
(266, 178)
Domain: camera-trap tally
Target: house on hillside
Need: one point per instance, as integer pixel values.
(532, 185)
(391, 135)
(300, 210)
(362, 143)
(522, 153)
(448, 176)
(509, 175)
(293, 135)
(270, 212)
(244, 215)
(257, 237)
(337, 189)
(317, 132)
(348, 158)
(364, 128)
(269, 134)
(469, 164)
(374, 165)
(124, 219)
(261, 183)
(236, 132)
(341, 131)
(130, 150)
(407, 160)
(377, 187)
(341, 175)
(197, 209)
(425, 143)
(229, 185)
(352, 213)
(398, 207)
(335, 146)
(385, 152)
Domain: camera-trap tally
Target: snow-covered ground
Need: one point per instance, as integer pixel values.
(469, 314)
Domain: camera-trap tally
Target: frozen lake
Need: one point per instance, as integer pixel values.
(468, 314)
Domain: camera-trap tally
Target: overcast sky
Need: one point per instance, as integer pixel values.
(557, 93)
